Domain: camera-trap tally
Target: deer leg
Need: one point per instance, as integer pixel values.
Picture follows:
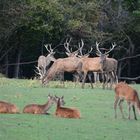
(135, 117)
(120, 106)
(103, 78)
(115, 105)
(134, 112)
(116, 77)
(95, 77)
(129, 109)
(62, 78)
(111, 80)
(84, 78)
(107, 76)
(89, 77)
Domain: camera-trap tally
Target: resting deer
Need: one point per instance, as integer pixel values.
(40, 109)
(6, 107)
(66, 112)
(125, 92)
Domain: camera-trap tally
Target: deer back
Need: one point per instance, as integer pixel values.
(110, 64)
(123, 90)
(91, 64)
(63, 64)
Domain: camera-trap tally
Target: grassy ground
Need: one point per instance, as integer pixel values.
(96, 106)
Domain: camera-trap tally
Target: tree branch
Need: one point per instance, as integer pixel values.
(129, 57)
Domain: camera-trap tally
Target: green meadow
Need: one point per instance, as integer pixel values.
(96, 107)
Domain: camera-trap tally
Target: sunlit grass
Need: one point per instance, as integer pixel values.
(95, 105)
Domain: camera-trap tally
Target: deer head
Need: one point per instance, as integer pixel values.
(61, 100)
(50, 56)
(103, 56)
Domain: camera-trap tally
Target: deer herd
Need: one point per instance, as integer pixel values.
(81, 64)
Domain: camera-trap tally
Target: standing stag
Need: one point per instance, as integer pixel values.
(69, 64)
(108, 66)
(83, 58)
(44, 61)
(88, 64)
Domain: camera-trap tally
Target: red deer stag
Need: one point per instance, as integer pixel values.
(88, 64)
(125, 92)
(69, 64)
(40, 109)
(44, 61)
(108, 66)
(66, 112)
(6, 107)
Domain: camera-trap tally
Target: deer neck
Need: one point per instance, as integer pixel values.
(47, 105)
(58, 104)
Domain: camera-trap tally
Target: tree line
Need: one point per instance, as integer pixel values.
(25, 26)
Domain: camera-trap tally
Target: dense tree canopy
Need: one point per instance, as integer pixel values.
(26, 25)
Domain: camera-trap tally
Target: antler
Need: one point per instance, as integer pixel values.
(67, 44)
(50, 50)
(113, 46)
(98, 50)
(39, 72)
(97, 47)
(81, 47)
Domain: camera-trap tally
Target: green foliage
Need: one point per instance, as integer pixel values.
(29, 24)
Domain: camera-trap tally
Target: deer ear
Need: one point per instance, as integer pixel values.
(56, 96)
(62, 97)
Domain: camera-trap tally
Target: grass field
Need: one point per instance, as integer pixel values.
(95, 105)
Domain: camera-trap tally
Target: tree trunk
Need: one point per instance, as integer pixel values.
(119, 69)
(119, 8)
(17, 66)
(7, 67)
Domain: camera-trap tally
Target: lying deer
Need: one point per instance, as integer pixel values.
(40, 109)
(125, 92)
(6, 107)
(66, 112)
